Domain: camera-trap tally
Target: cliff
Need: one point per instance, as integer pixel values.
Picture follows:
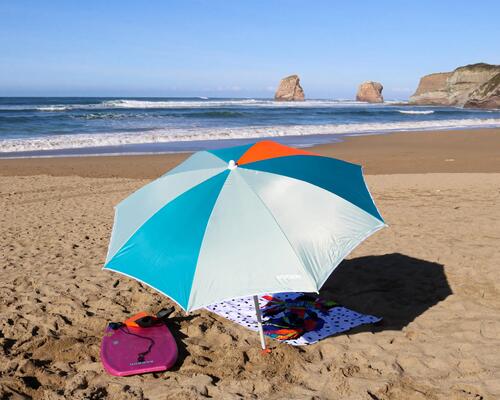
(487, 95)
(465, 85)
(432, 89)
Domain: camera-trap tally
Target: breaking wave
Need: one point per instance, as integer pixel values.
(422, 112)
(166, 135)
(200, 102)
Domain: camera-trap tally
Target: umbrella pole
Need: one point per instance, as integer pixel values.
(259, 322)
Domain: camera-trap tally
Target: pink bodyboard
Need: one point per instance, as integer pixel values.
(119, 350)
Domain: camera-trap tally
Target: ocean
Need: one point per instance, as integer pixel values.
(52, 126)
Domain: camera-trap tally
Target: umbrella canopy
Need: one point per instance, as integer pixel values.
(241, 221)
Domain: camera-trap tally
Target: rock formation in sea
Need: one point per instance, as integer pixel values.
(290, 89)
(474, 85)
(370, 92)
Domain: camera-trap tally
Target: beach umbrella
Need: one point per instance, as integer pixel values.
(242, 221)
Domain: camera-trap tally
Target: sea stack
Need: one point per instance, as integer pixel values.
(290, 89)
(475, 85)
(371, 92)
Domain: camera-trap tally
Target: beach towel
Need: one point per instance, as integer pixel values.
(290, 319)
(283, 314)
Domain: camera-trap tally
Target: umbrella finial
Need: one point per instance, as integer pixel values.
(232, 165)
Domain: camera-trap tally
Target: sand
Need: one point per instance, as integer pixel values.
(432, 275)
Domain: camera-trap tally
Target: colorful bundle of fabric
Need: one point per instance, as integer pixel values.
(289, 320)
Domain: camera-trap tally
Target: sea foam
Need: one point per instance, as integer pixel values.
(168, 135)
(200, 103)
(417, 112)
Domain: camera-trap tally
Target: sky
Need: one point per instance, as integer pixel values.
(237, 48)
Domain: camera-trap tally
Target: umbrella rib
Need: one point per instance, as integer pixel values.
(156, 212)
(379, 217)
(329, 191)
(381, 224)
(166, 175)
(148, 285)
(360, 239)
(173, 171)
(283, 233)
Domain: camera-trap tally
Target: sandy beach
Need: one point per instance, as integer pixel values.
(432, 276)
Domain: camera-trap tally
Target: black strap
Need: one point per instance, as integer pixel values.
(147, 322)
(140, 356)
(164, 313)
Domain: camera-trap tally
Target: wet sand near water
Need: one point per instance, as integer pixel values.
(405, 152)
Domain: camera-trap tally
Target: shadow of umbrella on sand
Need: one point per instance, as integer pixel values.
(395, 286)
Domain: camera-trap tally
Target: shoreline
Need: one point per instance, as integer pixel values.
(468, 150)
(288, 136)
